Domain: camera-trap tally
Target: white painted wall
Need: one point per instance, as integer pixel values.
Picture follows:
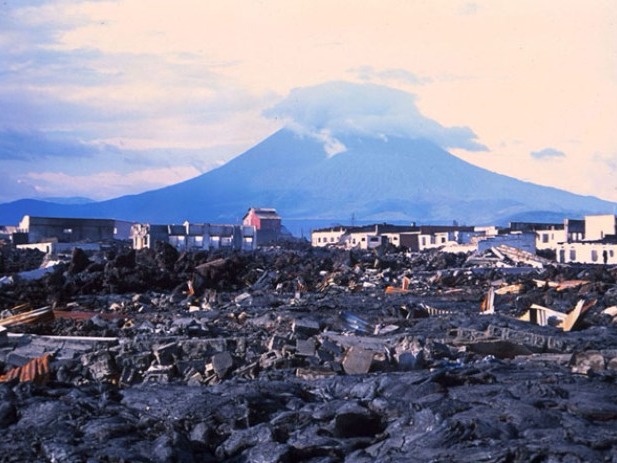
(549, 239)
(587, 253)
(598, 226)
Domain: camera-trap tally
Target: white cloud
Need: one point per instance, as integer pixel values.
(343, 108)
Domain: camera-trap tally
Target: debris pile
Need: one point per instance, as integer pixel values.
(312, 355)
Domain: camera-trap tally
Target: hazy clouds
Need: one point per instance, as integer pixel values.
(371, 110)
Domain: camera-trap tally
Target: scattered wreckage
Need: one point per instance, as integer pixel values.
(310, 355)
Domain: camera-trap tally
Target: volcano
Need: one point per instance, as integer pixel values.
(374, 179)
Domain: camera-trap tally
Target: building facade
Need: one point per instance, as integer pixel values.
(587, 253)
(69, 230)
(267, 223)
(196, 236)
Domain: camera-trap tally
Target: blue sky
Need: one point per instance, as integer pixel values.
(105, 98)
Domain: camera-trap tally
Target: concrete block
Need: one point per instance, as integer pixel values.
(305, 327)
(306, 347)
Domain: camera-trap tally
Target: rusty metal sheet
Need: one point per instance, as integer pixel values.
(35, 371)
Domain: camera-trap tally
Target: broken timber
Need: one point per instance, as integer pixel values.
(30, 316)
(539, 315)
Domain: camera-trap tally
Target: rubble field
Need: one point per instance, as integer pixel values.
(308, 355)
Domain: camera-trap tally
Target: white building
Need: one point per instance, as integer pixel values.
(597, 227)
(587, 253)
(363, 240)
(599, 245)
(327, 236)
(549, 239)
(195, 237)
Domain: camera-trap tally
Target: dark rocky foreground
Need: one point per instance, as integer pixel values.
(301, 355)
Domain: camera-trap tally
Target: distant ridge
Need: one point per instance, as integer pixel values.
(376, 179)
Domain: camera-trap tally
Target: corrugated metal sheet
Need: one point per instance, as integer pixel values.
(35, 371)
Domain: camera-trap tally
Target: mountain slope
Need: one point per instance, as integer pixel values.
(374, 179)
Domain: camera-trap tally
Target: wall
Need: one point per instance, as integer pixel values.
(550, 239)
(67, 230)
(192, 237)
(599, 226)
(322, 238)
(587, 253)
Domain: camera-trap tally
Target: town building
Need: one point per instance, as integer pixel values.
(548, 235)
(328, 236)
(267, 222)
(196, 236)
(54, 235)
(599, 243)
(66, 230)
(597, 227)
(574, 230)
(588, 252)
(412, 237)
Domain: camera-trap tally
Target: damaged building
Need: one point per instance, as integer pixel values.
(598, 245)
(196, 236)
(60, 234)
(591, 240)
(267, 223)
(412, 237)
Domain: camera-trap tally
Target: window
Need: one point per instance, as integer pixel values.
(424, 241)
(443, 239)
(611, 253)
(433, 239)
(545, 237)
(572, 254)
(594, 255)
(67, 230)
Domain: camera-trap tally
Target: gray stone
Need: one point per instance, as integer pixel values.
(357, 361)
(221, 364)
